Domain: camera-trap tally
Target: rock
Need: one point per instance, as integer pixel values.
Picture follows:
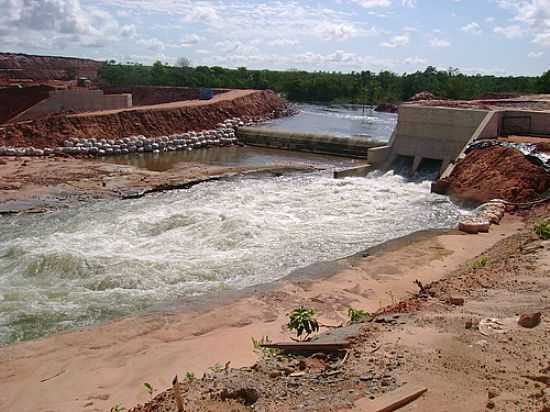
(386, 108)
(492, 393)
(530, 320)
(490, 405)
(456, 301)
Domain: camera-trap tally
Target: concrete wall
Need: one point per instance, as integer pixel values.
(434, 133)
(304, 142)
(76, 101)
(526, 122)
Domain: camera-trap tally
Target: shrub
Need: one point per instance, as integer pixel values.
(357, 315)
(260, 350)
(480, 263)
(542, 228)
(303, 320)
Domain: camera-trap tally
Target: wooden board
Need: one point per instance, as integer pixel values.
(390, 401)
(308, 346)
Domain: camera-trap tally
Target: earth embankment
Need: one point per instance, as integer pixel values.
(151, 121)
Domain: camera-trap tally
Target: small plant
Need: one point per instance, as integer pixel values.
(118, 408)
(303, 320)
(260, 350)
(149, 389)
(480, 263)
(357, 315)
(542, 228)
(190, 376)
(217, 368)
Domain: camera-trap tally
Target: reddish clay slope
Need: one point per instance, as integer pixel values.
(497, 173)
(152, 122)
(27, 66)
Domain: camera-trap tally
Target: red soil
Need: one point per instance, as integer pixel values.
(497, 173)
(150, 121)
(25, 66)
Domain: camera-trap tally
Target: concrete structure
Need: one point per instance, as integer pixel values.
(433, 133)
(308, 142)
(75, 101)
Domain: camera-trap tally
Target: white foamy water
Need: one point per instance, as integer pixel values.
(96, 262)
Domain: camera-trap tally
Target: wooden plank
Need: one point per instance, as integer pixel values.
(391, 401)
(308, 346)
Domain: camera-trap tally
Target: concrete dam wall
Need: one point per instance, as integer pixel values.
(432, 133)
(308, 142)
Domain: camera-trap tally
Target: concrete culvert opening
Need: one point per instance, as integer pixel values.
(402, 165)
(430, 167)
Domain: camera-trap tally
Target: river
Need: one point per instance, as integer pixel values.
(88, 264)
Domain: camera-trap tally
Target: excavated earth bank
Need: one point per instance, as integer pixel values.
(150, 121)
(497, 173)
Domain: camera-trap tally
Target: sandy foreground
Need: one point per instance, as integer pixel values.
(96, 368)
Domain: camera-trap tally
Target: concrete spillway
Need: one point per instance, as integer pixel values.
(308, 142)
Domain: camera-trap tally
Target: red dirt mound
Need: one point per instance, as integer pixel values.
(150, 121)
(497, 173)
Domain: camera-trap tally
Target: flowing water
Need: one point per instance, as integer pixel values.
(100, 261)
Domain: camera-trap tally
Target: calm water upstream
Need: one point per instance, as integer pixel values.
(339, 120)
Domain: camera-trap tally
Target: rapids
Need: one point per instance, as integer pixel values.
(100, 261)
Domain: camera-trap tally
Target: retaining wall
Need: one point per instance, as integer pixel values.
(75, 101)
(525, 123)
(151, 95)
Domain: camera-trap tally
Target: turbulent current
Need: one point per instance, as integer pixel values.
(96, 262)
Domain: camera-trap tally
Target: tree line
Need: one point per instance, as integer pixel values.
(335, 87)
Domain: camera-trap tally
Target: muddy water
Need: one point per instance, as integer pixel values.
(231, 156)
(96, 262)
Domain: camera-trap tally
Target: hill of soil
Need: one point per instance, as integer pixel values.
(26, 66)
(497, 173)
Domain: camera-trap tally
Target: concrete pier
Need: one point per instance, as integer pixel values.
(308, 142)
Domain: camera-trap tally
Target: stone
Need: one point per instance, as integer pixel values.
(530, 320)
(456, 301)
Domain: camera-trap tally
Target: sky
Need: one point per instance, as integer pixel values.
(502, 37)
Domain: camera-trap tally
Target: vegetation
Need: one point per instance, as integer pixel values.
(303, 320)
(480, 263)
(118, 408)
(190, 376)
(357, 315)
(354, 87)
(149, 389)
(260, 350)
(542, 228)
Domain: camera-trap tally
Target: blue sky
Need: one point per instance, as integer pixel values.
(476, 36)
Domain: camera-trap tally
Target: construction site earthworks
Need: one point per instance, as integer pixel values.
(188, 249)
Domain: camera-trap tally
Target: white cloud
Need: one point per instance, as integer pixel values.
(472, 28)
(58, 23)
(415, 61)
(400, 40)
(510, 32)
(336, 31)
(409, 3)
(439, 43)
(535, 55)
(152, 44)
(534, 15)
(369, 4)
(190, 40)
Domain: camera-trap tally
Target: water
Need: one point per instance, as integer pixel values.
(233, 156)
(100, 261)
(340, 120)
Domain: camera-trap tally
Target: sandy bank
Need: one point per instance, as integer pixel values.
(96, 368)
(39, 184)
